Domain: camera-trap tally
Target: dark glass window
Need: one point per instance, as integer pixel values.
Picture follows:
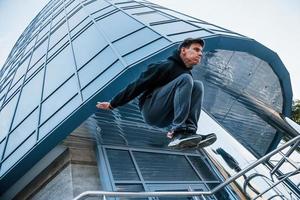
(120, 162)
(164, 167)
(202, 168)
(130, 188)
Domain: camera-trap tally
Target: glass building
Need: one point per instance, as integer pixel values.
(54, 143)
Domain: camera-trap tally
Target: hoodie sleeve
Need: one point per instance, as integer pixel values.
(144, 82)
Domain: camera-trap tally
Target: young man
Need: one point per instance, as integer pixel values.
(169, 95)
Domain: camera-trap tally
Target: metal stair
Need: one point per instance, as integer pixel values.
(293, 144)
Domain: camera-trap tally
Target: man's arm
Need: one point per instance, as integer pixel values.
(147, 79)
(104, 106)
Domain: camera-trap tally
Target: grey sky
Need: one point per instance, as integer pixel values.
(274, 23)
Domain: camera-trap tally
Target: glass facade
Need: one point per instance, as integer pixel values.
(76, 52)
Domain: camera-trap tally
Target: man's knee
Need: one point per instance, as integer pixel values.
(186, 79)
(198, 85)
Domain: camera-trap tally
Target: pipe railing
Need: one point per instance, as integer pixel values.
(105, 194)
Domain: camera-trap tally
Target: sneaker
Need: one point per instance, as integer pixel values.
(207, 140)
(184, 131)
(185, 140)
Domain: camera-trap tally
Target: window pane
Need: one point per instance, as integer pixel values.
(31, 44)
(139, 11)
(175, 14)
(57, 46)
(103, 12)
(173, 27)
(164, 167)
(59, 98)
(195, 34)
(96, 66)
(130, 188)
(12, 159)
(152, 17)
(21, 70)
(126, 25)
(95, 6)
(26, 128)
(30, 98)
(32, 70)
(59, 17)
(61, 115)
(87, 45)
(1, 149)
(58, 34)
(140, 38)
(71, 6)
(39, 52)
(120, 162)
(6, 115)
(58, 70)
(14, 89)
(4, 91)
(103, 79)
(202, 168)
(76, 18)
(44, 31)
(146, 50)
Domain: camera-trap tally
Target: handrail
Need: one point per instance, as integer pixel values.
(189, 193)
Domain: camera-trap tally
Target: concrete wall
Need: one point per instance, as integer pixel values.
(70, 174)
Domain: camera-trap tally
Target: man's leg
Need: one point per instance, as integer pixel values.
(170, 104)
(196, 104)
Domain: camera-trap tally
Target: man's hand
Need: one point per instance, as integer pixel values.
(104, 105)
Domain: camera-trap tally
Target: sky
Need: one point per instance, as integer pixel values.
(273, 23)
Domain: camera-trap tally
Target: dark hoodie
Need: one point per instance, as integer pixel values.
(156, 75)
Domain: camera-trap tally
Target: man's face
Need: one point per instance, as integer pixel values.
(192, 55)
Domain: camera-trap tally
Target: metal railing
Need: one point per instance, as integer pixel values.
(295, 141)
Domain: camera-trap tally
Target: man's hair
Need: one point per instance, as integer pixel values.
(189, 41)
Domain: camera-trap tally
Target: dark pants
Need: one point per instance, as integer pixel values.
(176, 105)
